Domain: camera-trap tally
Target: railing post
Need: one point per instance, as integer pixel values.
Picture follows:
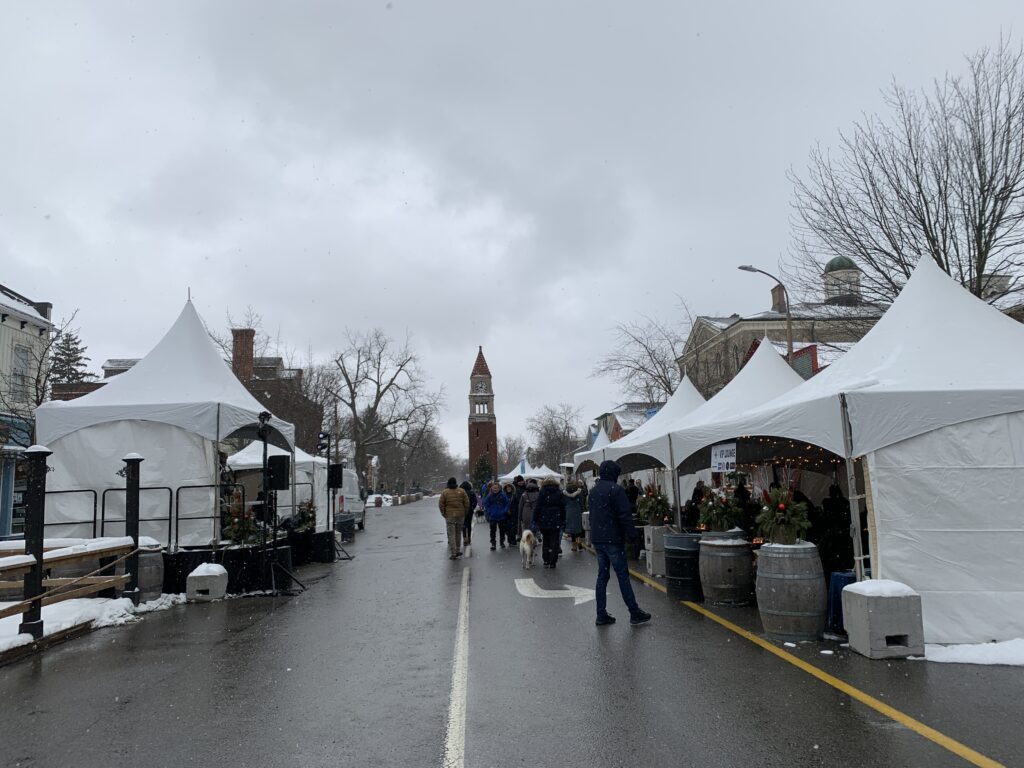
(35, 509)
(131, 523)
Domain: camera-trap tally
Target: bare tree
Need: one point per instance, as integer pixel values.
(511, 449)
(383, 393)
(643, 358)
(28, 385)
(941, 176)
(555, 431)
(264, 344)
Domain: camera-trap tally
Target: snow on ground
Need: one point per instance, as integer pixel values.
(1008, 652)
(98, 611)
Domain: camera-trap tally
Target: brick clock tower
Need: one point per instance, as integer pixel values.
(483, 428)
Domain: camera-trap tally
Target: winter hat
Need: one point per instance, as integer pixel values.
(452, 483)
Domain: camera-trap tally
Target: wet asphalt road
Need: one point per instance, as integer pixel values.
(356, 671)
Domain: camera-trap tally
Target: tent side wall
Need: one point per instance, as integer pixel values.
(90, 459)
(949, 524)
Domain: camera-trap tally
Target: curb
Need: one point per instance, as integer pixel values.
(22, 651)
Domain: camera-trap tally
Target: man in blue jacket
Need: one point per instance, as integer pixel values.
(611, 521)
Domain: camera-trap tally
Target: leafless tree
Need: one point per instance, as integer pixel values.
(555, 431)
(22, 392)
(510, 450)
(264, 345)
(941, 176)
(642, 359)
(383, 393)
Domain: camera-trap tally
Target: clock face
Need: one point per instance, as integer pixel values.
(481, 386)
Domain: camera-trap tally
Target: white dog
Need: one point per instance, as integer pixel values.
(527, 544)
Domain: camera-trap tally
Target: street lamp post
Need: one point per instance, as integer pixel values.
(789, 317)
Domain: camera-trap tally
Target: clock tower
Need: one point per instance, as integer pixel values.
(483, 428)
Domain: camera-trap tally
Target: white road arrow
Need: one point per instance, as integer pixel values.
(579, 595)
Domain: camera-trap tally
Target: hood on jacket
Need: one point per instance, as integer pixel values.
(452, 483)
(531, 485)
(464, 485)
(609, 470)
(549, 481)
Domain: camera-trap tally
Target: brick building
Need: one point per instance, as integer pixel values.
(483, 425)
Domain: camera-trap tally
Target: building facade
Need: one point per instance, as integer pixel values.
(483, 424)
(717, 347)
(25, 335)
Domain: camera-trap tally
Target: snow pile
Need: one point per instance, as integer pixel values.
(880, 588)
(162, 603)
(14, 561)
(209, 569)
(1008, 652)
(149, 543)
(97, 611)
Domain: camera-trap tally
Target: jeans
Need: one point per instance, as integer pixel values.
(614, 556)
(467, 528)
(500, 529)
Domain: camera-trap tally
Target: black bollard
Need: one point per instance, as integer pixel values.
(131, 523)
(35, 510)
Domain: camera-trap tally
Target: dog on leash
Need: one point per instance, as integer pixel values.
(527, 545)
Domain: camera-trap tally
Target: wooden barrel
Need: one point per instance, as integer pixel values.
(682, 577)
(726, 570)
(151, 575)
(791, 591)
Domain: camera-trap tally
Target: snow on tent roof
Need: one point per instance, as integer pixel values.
(922, 366)
(183, 381)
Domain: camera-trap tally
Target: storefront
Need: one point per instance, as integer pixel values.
(15, 435)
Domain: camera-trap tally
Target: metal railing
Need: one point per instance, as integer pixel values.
(213, 518)
(103, 508)
(95, 508)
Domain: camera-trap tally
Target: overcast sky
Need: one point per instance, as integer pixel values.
(521, 175)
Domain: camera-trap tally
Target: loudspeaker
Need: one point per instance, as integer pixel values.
(335, 476)
(278, 469)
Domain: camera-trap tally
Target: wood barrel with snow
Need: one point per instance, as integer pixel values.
(791, 595)
(726, 568)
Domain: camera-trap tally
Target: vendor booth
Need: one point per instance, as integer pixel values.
(931, 404)
(174, 407)
(309, 483)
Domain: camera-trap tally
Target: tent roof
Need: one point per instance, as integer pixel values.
(939, 356)
(183, 381)
(251, 457)
(684, 400)
(542, 472)
(593, 453)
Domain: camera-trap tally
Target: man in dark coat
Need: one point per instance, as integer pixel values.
(467, 523)
(632, 493)
(549, 515)
(611, 521)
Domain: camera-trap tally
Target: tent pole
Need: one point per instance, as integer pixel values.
(675, 482)
(851, 490)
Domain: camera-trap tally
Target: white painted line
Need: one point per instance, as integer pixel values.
(530, 588)
(455, 735)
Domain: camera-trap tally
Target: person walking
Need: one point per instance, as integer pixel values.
(467, 521)
(454, 503)
(574, 514)
(518, 489)
(611, 521)
(549, 515)
(495, 505)
(527, 505)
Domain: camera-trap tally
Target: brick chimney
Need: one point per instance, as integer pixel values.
(242, 341)
(779, 299)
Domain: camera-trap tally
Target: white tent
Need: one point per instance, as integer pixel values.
(519, 469)
(594, 452)
(543, 472)
(935, 395)
(310, 479)
(172, 407)
(648, 445)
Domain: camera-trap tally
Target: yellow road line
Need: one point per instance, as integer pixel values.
(954, 746)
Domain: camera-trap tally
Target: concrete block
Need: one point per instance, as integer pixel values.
(656, 562)
(883, 626)
(207, 582)
(654, 538)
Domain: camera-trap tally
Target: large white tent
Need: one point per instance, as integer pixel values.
(309, 479)
(595, 452)
(172, 407)
(935, 399)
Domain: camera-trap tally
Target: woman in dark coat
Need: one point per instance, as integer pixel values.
(467, 524)
(574, 514)
(549, 516)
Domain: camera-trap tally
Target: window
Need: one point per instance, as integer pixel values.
(20, 375)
